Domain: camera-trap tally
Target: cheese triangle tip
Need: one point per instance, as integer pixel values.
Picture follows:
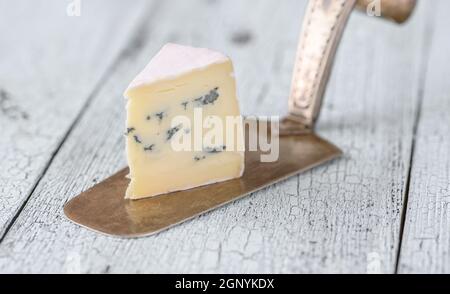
(173, 60)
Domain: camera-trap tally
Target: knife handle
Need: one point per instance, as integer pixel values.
(396, 10)
(321, 33)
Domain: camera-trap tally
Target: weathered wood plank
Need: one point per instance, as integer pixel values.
(351, 211)
(51, 63)
(343, 217)
(426, 238)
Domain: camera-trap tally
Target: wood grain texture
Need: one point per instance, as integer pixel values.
(343, 217)
(51, 64)
(426, 238)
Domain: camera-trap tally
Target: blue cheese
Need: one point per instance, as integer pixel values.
(180, 81)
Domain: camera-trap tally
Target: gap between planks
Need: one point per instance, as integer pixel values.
(127, 50)
(428, 39)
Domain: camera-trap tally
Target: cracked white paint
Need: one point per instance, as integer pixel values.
(326, 220)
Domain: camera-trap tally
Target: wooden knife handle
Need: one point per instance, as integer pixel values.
(397, 10)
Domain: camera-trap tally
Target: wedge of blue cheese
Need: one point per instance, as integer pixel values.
(181, 81)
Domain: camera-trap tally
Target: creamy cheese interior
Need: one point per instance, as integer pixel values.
(155, 167)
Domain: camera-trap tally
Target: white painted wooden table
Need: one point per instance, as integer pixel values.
(383, 207)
